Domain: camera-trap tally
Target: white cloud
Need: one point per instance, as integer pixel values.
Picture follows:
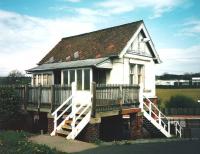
(190, 28)
(158, 6)
(179, 60)
(25, 40)
(73, 1)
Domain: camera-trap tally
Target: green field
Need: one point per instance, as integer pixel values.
(165, 94)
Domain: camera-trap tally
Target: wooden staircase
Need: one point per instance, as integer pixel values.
(75, 114)
(156, 122)
(67, 127)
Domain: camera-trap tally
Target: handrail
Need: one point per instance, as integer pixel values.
(63, 112)
(65, 102)
(85, 109)
(163, 121)
(155, 107)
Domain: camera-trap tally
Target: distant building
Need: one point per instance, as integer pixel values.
(166, 82)
(196, 81)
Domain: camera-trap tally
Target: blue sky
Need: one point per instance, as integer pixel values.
(29, 29)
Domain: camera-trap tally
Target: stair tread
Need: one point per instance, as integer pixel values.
(62, 132)
(68, 127)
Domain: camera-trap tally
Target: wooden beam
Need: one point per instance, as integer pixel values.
(130, 110)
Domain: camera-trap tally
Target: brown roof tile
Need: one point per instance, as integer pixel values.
(97, 44)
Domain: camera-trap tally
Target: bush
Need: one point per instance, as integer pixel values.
(9, 107)
(181, 101)
(17, 143)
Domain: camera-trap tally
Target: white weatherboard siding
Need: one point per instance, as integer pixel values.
(137, 54)
(117, 73)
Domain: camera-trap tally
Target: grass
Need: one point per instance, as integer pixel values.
(12, 142)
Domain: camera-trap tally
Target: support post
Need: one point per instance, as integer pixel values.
(141, 101)
(55, 121)
(39, 96)
(25, 97)
(52, 98)
(73, 104)
(94, 99)
(159, 118)
(169, 127)
(150, 108)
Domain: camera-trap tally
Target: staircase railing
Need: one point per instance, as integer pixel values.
(76, 111)
(159, 119)
(57, 117)
(156, 115)
(76, 129)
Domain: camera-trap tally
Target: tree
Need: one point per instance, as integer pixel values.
(15, 77)
(9, 106)
(16, 73)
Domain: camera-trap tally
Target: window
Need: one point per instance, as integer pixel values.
(132, 73)
(86, 79)
(136, 74)
(45, 82)
(79, 79)
(34, 80)
(71, 76)
(65, 77)
(140, 74)
(49, 79)
(39, 79)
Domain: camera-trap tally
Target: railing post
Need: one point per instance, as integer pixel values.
(159, 117)
(55, 121)
(73, 104)
(26, 91)
(141, 101)
(150, 108)
(94, 99)
(169, 126)
(39, 96)
(52, 98)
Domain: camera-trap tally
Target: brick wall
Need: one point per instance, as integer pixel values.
(136, 122)
(90, 133)
(50, 123)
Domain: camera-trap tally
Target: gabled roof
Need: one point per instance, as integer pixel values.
(102, 43)
(99, 63)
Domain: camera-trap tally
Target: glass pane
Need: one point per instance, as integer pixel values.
(131, 78)
(39, 79)
(49, 79)
(44, 79)
(79, 79)
(72, 76)
(86, 79)
(65, 77)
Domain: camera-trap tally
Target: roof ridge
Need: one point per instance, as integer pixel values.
(121, 25)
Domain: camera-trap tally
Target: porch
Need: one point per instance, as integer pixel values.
(107, 100)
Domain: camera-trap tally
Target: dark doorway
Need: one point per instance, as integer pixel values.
(57, 76)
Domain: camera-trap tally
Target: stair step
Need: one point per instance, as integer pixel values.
(68, 121)
(67, 127)
(62, 132)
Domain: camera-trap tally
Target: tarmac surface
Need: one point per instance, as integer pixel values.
(145, 146)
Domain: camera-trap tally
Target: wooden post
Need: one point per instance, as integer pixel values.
(94, 99)
(52, 98)
(26, 93)
(39, 96)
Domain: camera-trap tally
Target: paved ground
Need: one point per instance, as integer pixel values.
(172, 147)
(61, 144)
(153, 146)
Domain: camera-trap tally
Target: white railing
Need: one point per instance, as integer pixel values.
(158, 119)
(153, 114)
(80, 105)
(56, 116)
